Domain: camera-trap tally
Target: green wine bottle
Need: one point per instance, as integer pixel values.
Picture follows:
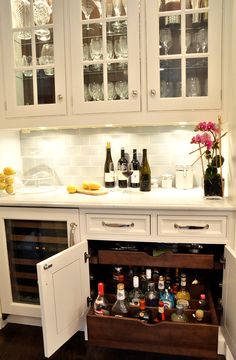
(145, 173)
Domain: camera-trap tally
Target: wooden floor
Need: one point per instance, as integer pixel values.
(22, 342)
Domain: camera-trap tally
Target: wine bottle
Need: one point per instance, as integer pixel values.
(151, 295)
(135, 294)
(109, 174)
(101, 304)
(144, 314)
(145, 173)
(134, 167)
(122, 168)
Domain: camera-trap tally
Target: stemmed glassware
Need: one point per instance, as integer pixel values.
(21, 17)
(98, 3)
(121, 88)
(96, 91)
(165, 41)
(87, 9)
(42, 14)
(111, 91)
(95, 48)
(109, 11)
(117, 5)
(47, 57)
(124, 2)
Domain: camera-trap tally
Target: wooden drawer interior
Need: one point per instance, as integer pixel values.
(198, 338)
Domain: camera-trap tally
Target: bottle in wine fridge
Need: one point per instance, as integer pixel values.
(101, 304)
(145, 173)
(122, 170)
(134, 168)
(109, 174)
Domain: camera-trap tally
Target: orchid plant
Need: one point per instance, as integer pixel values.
(209, 146)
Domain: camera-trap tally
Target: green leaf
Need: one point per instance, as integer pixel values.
(210, 172)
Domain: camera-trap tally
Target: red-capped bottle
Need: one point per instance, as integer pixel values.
(101, 306)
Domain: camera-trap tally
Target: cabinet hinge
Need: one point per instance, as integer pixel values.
(223, 262)
(86, 257)
(89, 301)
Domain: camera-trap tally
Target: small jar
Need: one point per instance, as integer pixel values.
(166, 181)
(184, 177)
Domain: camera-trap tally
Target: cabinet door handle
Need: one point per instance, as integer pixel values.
(191, 227)
(59, 97)
(115, 225)
(47, 266)
(134, 93)
(73, 227)
(153, 92)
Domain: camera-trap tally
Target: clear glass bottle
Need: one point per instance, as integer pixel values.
(134, 167)
(120, 307)
(146, 280)
(122, 168)
(168, 299)
(151, 295)
(179, 315)
(101, 306)
(145, 173)
(161, 285)
(117, 276)
(183, 295)
(109, 174)
(135, 294)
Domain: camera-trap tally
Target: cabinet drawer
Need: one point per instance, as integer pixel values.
(197, 339)
(192, 226)
(125, 225)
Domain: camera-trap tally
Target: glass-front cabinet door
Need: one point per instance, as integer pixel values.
(184, 54)
(34, 57)
(105, 55)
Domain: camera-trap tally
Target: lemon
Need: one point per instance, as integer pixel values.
(86, 185)
(199, 314)
(9, 180)
(3, 185)
(9, 170)
(71, 189)
(9, 189)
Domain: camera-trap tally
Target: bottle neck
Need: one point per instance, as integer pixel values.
(101, 289)
(144, 155)
(135, 155)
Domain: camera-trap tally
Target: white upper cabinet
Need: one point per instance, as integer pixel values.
(105, 55)
(33, 56)
(183, 54)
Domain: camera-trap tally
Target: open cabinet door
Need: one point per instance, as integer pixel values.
(63, 281)
(229, 300)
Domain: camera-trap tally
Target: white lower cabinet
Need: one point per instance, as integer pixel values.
(64, 305)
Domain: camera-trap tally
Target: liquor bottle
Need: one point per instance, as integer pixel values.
(179, 315)
(134, 167)
(168, 299)
(145, 173)
(146, 280)
(109, 174)
(202, 304)
(117, 276)
(120, 307)
(161, 285)
(161, 312)
(144, 314)
(183, 295)
(101, 304)
(151, 295)
(167, 278)
(135, 294)
(122, 169)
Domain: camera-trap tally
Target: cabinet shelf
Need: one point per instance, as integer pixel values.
(168, 259)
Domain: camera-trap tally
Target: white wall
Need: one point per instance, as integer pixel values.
(10, 150)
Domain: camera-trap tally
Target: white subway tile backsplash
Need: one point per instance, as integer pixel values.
(76, 155)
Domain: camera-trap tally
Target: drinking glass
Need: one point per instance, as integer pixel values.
(188, 40)
(95, 48)
(123, 47)
(109, 11)
(202, 36)
(117, 4)
(21, 17)
(117, 49)
(85, 51)
(111, 91)
(47, 57)
(87, 8)
(193, 86)
(87, 96)
(96, 91)
(166, 89)
(121, 88)
(98, 3)
(110, 52)
(165, 41)
(27, 61)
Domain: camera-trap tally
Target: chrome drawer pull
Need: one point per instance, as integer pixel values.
(191, 227)
(114, 225)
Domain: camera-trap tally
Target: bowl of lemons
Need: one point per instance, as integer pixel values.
(7, 179)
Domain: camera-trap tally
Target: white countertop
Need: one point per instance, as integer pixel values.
(127, 199)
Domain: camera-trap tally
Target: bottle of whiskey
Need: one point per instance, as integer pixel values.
(151, 295)
(179, 315)
(101, 306)
(183, 295)
(144, 314)
(120, 307)
(161, 312)
(146, 280)
(135, 294)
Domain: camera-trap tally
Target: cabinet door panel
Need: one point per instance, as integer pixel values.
(229, 300)
(64, 288)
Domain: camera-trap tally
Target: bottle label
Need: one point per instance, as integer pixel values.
(135, 302)
(120, 294)
(135, 177)
(109, 176)
(145, 183)
(161, 285)
(121, 176)
(101, 312)
(183, 302)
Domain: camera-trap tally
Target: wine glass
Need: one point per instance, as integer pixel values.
(98, 3)
(87, 8)
(124, 2)
(111, 91)
(203, 39)
(117, 5)
(21, 13)
(47, 57)
(95, 48)
(193, 86)
(165, 41)
(109, 11)
(123, 47)
(121, 88)
(27, 61)
(110, 52)
(96, 91)
(42, 13)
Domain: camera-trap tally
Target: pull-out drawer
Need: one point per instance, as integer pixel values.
(192, 227)
(199, 339)
(125, 226)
